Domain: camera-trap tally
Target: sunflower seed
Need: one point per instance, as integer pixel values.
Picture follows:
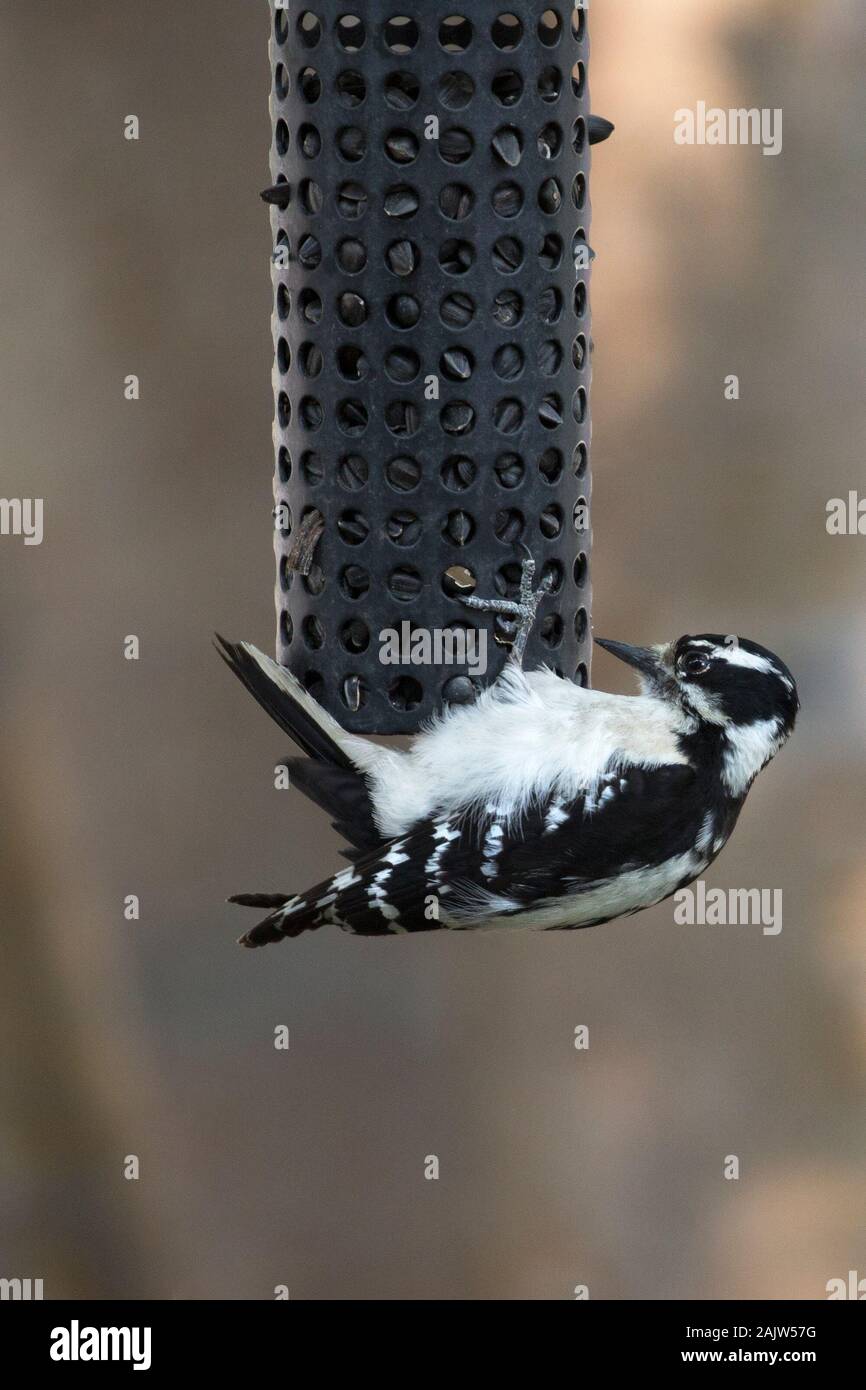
(457, 310)
(508, 308)
(459, 691)
(508, 362)
(403, 528)
(352, 200)
(401, 202)
(401, 146)
(353, 472)
(508, 526)
(353, 309)
(401, 257)
(507, 255)
(507, 199)
(403, 473)
(402, 364)
(405, 583)
(509, 470)
(456, 364)
(459, 528)
(458, 473)
(456, 201)
(508, 145)
(458, 417)
(550, 412)
(550, 196)
(508, 416)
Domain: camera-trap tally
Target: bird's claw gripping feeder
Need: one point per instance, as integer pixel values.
(430, 213)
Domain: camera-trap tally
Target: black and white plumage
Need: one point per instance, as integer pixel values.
(543, 805)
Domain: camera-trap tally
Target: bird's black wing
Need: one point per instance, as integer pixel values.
(456, 871)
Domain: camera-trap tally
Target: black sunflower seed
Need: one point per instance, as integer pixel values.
(401, 202)
(401, 146)
(550, 412)
(404, 583)
(352, 417)
(402, 418)
(312, 467)
(403, 473)
(508, 362)
(457, 310)
(550, 522)
(508, 526)
(459, 528)
(549, 358)
(353, 309)
(455, 145)
(353, 527)
(402, 257)
(507, 255)
(352, 256)
(352, 200)
(309, 253)
(549, 141)
(402, 364)
(458, 473)
(508, 145)
(404, 528)
(550, 465)
(456, 201)
(459, 690)
(355, 581)
(456, 90)
(352, 143)
(353, 472)
(507, 87)
(456, 364)
(509, 470)
(550, 196)
(507, 199)
(458, 417)
(508, 308)
(404, 310)
(508, 416)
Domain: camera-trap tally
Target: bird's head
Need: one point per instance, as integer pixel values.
(734, 687)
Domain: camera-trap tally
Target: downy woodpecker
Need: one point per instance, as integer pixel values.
(543, 805)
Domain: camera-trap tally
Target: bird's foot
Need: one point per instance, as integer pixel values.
(524, 607)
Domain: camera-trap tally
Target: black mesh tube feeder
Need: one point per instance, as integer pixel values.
(430, 216)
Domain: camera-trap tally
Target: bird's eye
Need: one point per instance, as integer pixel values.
(695, 664)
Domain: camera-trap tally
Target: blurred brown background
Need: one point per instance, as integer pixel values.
(155, 1037)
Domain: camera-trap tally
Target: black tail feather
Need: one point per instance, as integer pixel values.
(342, 795)
(289, 713)
(260, 900)
(265, 934)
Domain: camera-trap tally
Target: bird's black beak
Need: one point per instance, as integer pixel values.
(646, 660)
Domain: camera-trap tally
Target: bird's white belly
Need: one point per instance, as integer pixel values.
(630, 891)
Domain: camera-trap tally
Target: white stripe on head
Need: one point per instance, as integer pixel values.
(738, 656)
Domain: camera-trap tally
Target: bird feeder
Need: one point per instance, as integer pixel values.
(430, 216)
